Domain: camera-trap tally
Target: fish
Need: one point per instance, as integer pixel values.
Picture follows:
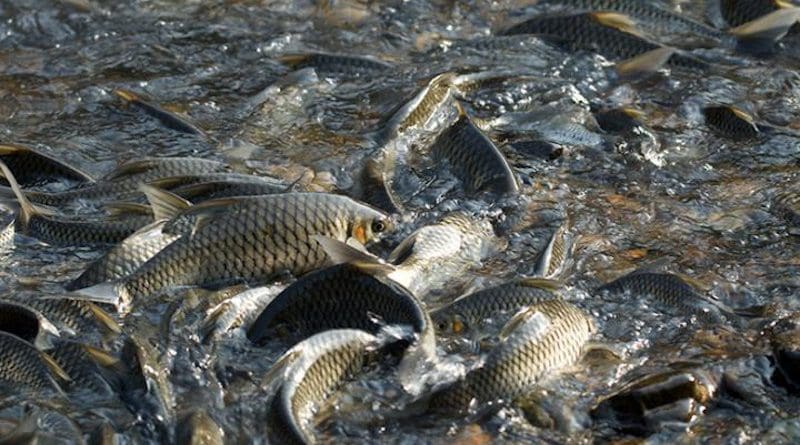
(469, 312)
(538, 341)
(340, 296)
(738, 12)
(197, 427)
(27, 324)
(49, 226)
(32, 167)
(612, 35)
(474, 158)
(552, 258)
(248, 239)
(422, 110)
(649, 15)
(122, 183)
(619, 120)
(70, 315)
(221, 185)
(375, 181)
(166, 118)
(337, 65)
(239, 310)
(670, 290)
(430, 257)
(309, 373)
(644, 404)
(24, 366)
(731, 122)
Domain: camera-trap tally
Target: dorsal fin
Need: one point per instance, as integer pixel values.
(165, 205)
(525, 315)
(130, 168)
(772, 26)
(104, 318)
(616, 20)
(54, 367)
(648, 62)
(101, 357)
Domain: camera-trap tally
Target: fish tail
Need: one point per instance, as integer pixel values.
(27, 208)
(115, 293)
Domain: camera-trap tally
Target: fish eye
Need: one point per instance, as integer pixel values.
(442, 325)
(378, 226)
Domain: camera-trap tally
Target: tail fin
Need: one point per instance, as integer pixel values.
(27, 208)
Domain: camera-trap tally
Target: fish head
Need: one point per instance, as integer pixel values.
(451, 324)
(371, 227)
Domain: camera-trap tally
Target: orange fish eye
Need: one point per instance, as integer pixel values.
(457, 326)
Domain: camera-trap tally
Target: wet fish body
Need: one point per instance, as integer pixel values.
(7, 228)
(250, 239)
(123, 182)
(669, 290)
(26, 323)
(70, 231)
(421, 111)
(76, 316)
(323, 363)
(550, 261)
(338, 297)
(550, 335)
(167, 118)
(587, 32)
(498, 303)
(24, 365)
(648, 14)
(474, 158)
(337, 65)
(85, 373)
(32, 167)
(239, 310)
(731, 122)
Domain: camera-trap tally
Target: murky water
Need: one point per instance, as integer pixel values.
(671, 194)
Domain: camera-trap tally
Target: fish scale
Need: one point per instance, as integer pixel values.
(326, 361)
(583, 32)
(23, 364)
(467, 312)
(531, 351)
(340, 296)
(68, 231)
(253, 229)
(474, 158)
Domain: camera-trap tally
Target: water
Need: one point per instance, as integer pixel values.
(674, 195)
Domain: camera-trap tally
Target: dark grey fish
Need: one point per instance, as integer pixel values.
(731, 122)
(123, 182)
(32, 167)
(48, 226)
(248, 239)
(226, 185)
(74, 316)
(474, 158)
(539, 340)
(337, 65)
(198, 428)
(24, 365)
(375, 181)
(670, 290)
(642, 406)
(337, 297)
(609, 34)
(498, 303)
(618, 120)
(167, 119)
(739, 12)
(650, 15)
(310, 373)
